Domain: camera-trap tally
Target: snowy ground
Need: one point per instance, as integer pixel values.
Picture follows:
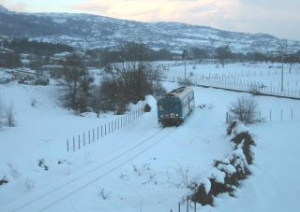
(141, 167)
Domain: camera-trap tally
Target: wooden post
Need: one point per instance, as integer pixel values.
(179, 207)
(68, 145)
(227, 118)
(187, 204)
(73, 144)
(89, 137)
(78, 141)
(292, 114)
(281, 115)
(83, 136)
(93, 135)
(97, 133)
(270, 115)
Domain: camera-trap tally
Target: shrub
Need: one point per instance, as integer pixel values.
(245, 139)
(231, 126)
(42, 164)
(201, 196)
(185, 82)
(147, 108)
(3, 181)
(227, 173)
(244, 110)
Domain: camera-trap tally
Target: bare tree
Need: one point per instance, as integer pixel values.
(244, 109)
(223, 53)
(76, 82)
(130, 79)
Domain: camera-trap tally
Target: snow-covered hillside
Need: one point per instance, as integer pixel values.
(90, 31)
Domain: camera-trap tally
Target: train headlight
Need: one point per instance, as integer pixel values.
(177, 115)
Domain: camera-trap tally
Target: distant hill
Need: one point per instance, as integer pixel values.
(91, 31)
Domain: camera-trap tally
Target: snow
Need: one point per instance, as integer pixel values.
(218, 175)
(141, 167)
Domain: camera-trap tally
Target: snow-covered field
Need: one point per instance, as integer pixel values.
(141, 167)
(266, 77)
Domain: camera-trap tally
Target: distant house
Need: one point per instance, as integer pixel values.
(28, 76)
(177, 57)
(56, 58)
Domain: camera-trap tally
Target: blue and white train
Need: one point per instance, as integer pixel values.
(175, 106)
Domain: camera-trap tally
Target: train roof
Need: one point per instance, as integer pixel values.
(179, 92)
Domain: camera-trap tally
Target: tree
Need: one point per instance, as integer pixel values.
(129, 80)
(76, 82)
(10, 60)
(223, 53)
(199, 54)
(244, 109)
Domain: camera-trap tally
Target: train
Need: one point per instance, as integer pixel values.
(175, 106)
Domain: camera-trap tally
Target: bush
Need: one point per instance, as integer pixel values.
(185, 82)
(202, 197)
(227, 173)
(245, 139)
(231, 126)
(147, 108)
(3, 181)
(244, 110)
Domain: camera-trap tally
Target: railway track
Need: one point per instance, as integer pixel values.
(44, 199)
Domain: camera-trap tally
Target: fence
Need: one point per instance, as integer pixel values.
(271, 115)
(95, 134)
(186, 206)
(254, 87)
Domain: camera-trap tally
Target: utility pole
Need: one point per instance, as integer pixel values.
(283, 49)
(184, 56)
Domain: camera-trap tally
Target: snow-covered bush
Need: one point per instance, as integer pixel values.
(226, 174)
(202, 195)
(245, 140)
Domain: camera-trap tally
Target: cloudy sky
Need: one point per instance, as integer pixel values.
(277, 17)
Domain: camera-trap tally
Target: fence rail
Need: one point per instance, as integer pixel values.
(86, 138)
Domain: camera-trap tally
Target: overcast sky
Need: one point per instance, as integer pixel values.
(277, 17)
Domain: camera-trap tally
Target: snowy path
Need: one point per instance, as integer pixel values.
(46, 198)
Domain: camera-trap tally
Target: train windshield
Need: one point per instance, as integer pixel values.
(169, 105)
